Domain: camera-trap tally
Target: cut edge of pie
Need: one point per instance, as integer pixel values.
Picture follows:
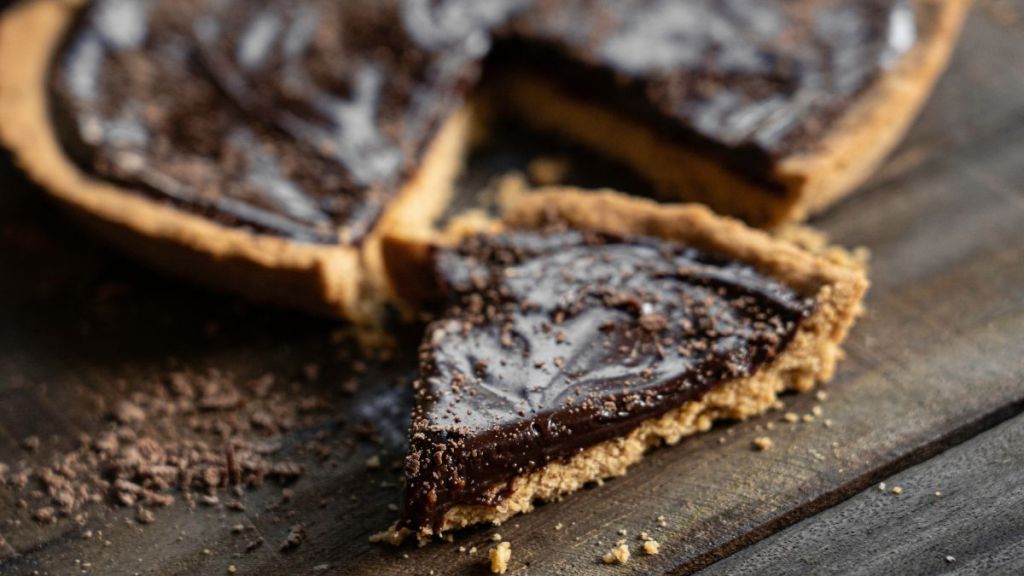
(832, 167)
(833, 277)
(337, 280)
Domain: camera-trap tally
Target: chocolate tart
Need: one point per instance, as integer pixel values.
(594, 327)
(266, 147)
(767, 110)
(223, 147)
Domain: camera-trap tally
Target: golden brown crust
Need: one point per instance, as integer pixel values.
(868, 131)
(813, 179)
(331, 279)
(422, 201)
(835, 279)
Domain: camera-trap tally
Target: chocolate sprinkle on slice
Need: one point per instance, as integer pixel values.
(643, 326)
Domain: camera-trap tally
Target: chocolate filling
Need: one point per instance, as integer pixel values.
(554, 342)
(301, 119)
(304, 119)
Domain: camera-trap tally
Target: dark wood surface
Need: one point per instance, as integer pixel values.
(962, 511)
(937, 360)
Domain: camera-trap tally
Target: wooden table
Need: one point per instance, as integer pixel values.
(927, 400)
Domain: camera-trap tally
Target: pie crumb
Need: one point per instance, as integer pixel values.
(763, 443)
(617, 555)
(500, 555)
(651, 547)
(897, 490)
(548, 171)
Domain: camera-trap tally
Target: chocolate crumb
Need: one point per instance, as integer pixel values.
(653, 322)
(296, 536)
(45, 515)
(30, 443)
(169, 438)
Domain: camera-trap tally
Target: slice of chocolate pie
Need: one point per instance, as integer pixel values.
(563, 355)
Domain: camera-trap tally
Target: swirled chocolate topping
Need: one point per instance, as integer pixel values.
(300, 119)
(554, 342)
(760, 77)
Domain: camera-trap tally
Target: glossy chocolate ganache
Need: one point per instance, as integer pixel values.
(300, 119)
(304, 119)
(553, 342)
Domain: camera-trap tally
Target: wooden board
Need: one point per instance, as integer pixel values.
(936, 360)
(958, 511)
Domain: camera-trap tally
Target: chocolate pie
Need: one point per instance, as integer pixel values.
(267, 146)
(563, 354)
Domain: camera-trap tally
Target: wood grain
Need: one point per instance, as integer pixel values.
(959, 511)
(936, 360)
